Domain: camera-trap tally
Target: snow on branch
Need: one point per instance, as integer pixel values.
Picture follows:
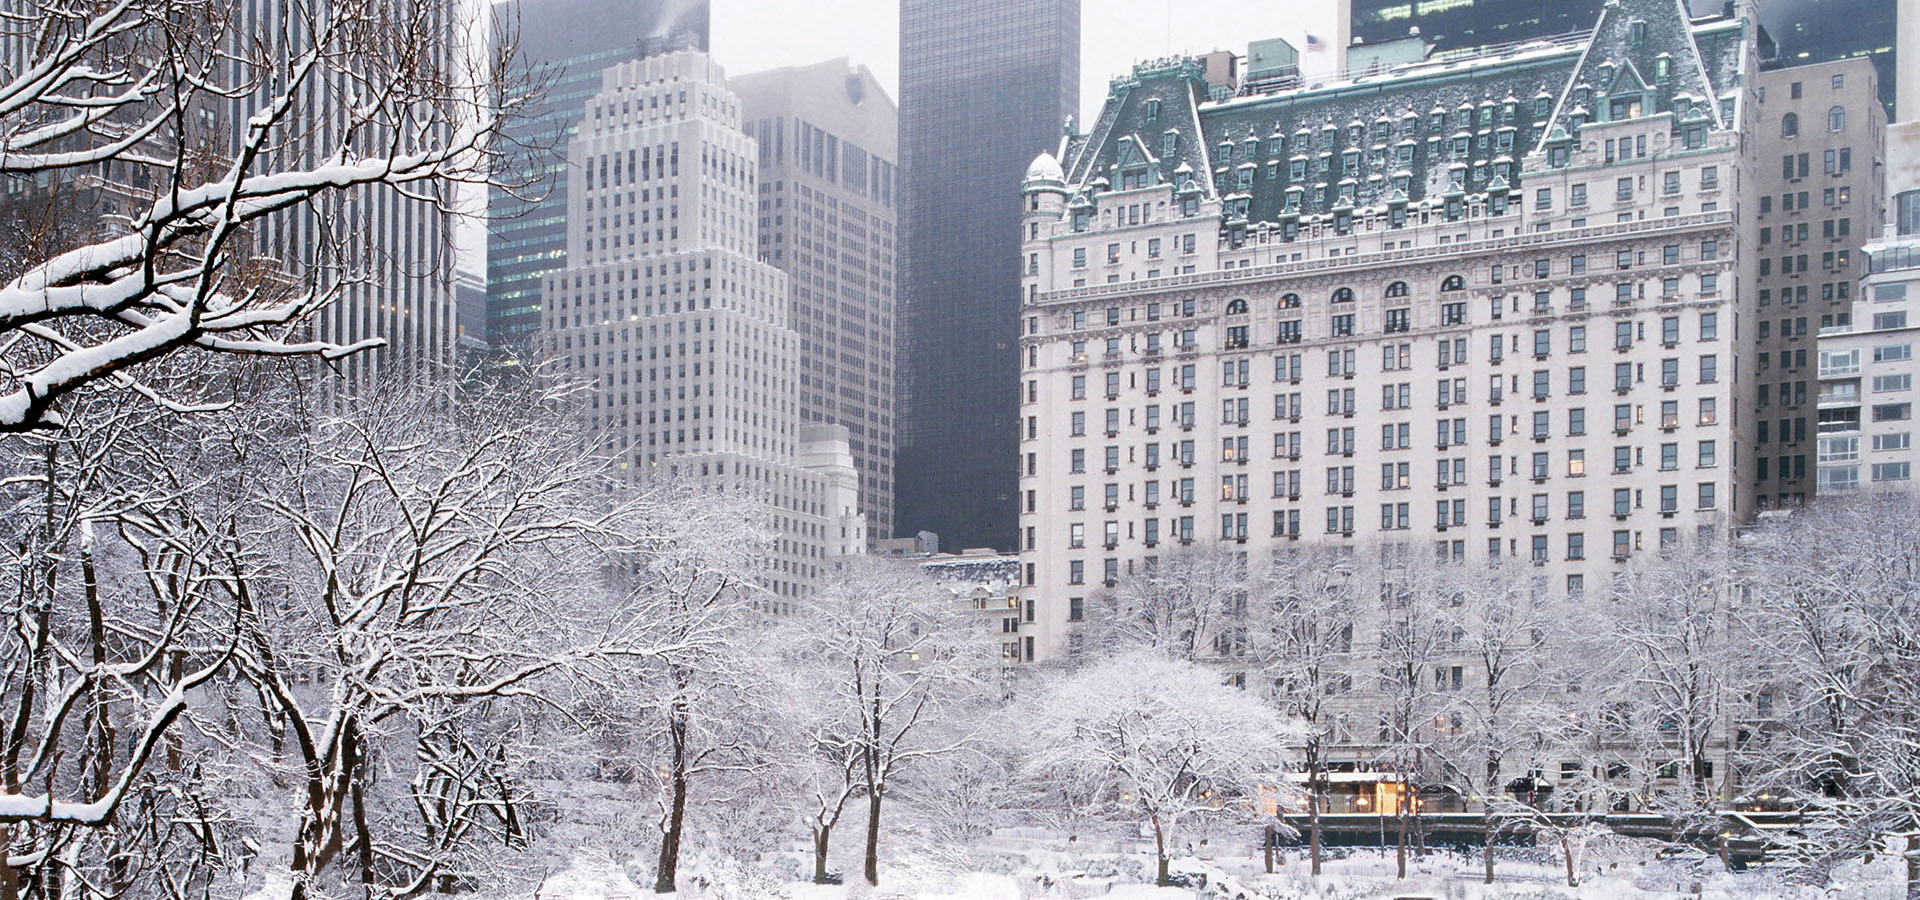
(216, 128)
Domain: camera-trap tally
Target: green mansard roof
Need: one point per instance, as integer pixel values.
(1417, 132)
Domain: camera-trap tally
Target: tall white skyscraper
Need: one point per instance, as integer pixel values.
(664, 304)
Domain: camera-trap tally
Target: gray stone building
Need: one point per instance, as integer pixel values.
(828, 198)
(1820, 182)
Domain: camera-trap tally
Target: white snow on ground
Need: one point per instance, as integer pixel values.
(1020, 864)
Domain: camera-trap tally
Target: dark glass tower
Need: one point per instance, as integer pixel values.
(984, 85)
(1817, 31)
(562, 47)
(1466, 24)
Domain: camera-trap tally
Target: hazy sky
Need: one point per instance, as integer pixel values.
(750, 35)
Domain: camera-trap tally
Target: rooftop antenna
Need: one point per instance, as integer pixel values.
(1169, 50)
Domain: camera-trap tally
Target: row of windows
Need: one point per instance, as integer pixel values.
(1340, 520)
(1836, 121)
(1395, 475)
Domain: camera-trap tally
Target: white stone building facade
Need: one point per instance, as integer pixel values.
(1493, 309)
(665, 305)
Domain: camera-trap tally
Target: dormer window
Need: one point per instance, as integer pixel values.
(1169, 143)
(1153, 110)
(1662, 69)
(1639, 30)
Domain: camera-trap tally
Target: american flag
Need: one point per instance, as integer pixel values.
(1315, 44)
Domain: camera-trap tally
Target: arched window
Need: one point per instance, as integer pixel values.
(1236, 307)
(1836, 119)
(1290, 301)
(1343, 295)
(1453, 283)
(1397, 289)
(1789, 125)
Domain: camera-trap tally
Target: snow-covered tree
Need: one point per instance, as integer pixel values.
(121, 556)
(1502, 625)
(430, 567)
(704, 689)
(1673, 614)
(1190, 603)
(881, 655)
(1831, 592)
(1159, 740)
(1411, 637)
(1303, 614)
(212, 121)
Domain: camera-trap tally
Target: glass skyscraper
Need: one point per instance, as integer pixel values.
(1466, 24)
(562, 48)
(984, 86)
(1817, 31)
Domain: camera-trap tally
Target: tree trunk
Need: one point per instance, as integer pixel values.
(1913, 866)
(669, 870)
(1400, 842)
(1162, 877)
(1266, 848)
(821, 834)
(1566, 849)
(1315, 791)
(873, 835)
(357, 773)
(9, 881)
(1488, 823)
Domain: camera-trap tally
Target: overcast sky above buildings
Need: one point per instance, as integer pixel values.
(750, 35)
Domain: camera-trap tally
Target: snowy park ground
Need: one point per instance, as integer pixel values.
(1025, 864)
